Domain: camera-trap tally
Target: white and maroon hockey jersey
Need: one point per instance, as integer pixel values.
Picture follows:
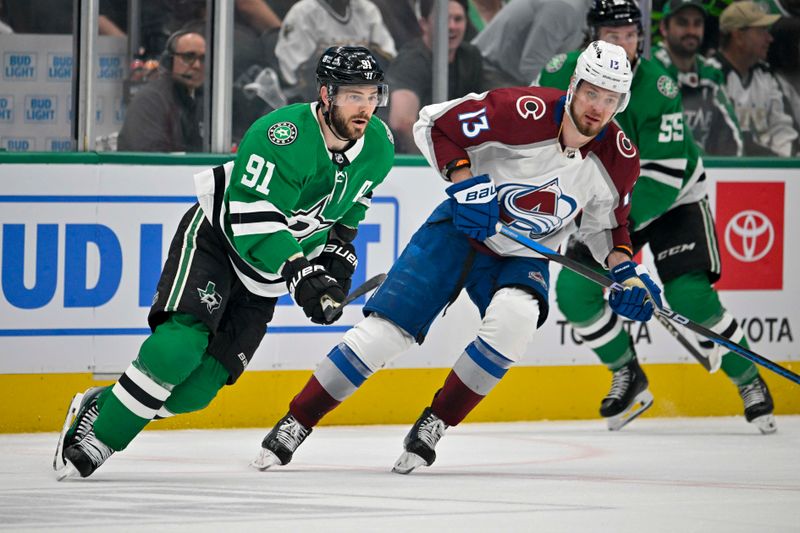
(511, 134)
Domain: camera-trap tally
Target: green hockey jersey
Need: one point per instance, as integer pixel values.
(286, 189)
(707, 110)
(671, 168)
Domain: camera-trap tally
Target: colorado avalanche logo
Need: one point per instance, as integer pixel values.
(531, 106)
(625, 145)
(538, 211)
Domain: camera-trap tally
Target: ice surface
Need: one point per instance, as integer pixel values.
(670, 475)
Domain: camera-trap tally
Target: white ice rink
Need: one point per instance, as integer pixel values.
(657, 475)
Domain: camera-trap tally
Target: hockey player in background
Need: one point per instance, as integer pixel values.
(670, 212)
(538, 160)
(282, 216)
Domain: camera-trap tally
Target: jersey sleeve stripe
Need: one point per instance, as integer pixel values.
(668, 176)
(257, 228)
(247, 218)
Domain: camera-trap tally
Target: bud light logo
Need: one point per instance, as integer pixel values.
(110, 68)
(59, 144)
(749, 236)
(59, 67)
(41, 109)
(19, 66)
(750, 220)
(6, 108)
(18, 144)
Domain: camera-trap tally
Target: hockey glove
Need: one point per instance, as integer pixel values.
(340, 260)
(640, 293)
(310, 285)
(475, 207)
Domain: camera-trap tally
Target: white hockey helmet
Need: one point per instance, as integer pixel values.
(605, 65)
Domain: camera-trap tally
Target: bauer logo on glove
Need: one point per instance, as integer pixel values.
(640, 296)
(475, 207)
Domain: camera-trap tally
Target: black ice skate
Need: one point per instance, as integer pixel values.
(628, 397)
(420, 442)
(279, 445)
(78, 423)
(85, 456)
(758, 405)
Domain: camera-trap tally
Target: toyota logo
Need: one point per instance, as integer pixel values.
(749, 236)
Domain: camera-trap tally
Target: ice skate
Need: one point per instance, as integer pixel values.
(758, 405)
(81, 414)
(85, 456)
(420, 442)
(280, 444)
(628, 397)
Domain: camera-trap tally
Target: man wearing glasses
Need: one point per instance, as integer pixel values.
(165, 114)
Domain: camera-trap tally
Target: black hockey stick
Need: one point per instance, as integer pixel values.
(590, 274)
(332, 309)
(672, 330)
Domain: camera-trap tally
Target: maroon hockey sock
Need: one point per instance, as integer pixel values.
(454, 401)
(312, 403)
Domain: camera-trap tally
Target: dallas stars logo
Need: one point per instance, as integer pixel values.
(210, 297)
(282, 133)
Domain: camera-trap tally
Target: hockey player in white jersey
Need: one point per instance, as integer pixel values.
(540, 161)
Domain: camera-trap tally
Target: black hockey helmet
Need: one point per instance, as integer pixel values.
(605, 13)
(613, 13)
(348, 65)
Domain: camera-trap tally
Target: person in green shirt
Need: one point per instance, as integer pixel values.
(670, 212)
(280, 218)
(707, 110)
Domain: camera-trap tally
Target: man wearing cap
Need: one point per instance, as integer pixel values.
(707, 110)
(764, 113)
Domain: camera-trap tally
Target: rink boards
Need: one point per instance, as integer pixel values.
(84, 237)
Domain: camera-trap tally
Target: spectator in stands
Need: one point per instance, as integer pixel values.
(525, 34)
(765, 118)
(707, 110)
(481, 12)
(411, 74)
(784, 58)
(311, 26)
(164, 115)
(401, 20)
(256, 26)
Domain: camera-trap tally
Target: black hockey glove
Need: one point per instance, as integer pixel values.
(339, 259)
(309, 285)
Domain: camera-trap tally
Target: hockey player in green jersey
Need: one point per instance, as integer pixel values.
(669, 210)
(282, 216)
(707, 110)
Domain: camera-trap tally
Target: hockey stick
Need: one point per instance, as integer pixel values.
(700, 358)
(590, 274)
(333, 309)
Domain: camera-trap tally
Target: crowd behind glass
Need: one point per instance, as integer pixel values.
(491, 43)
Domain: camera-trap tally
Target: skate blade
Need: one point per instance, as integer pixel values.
(765, 424)
(639, 405)
(67, 471)
(72, 411)
(407, 463)
(265, 459)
